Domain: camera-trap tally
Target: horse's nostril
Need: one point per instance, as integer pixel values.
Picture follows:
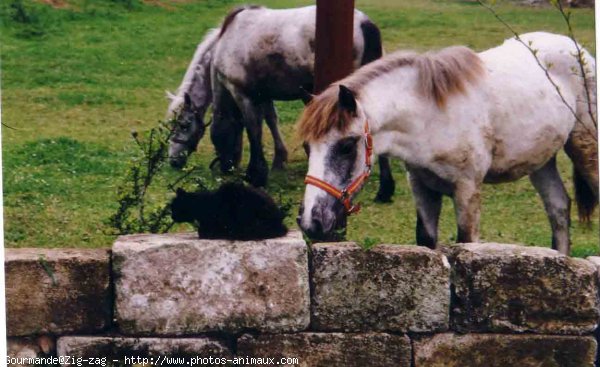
(177, 163)
(316, 226)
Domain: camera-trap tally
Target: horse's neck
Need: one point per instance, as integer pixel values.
(390, 101)
(196, 81)
(200, 89)
(197, 87)
(407, 124)
(398, 114)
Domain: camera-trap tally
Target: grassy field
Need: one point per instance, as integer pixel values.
(78, 76)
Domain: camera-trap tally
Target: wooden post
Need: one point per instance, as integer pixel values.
(334, 41)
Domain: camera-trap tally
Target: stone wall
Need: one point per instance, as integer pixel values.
(334, 304)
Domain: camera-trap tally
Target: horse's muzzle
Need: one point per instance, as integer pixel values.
(327, 223)
(177, 162)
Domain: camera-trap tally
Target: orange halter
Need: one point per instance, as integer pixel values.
(345, 195)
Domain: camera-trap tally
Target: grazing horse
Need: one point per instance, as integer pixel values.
(258, 55)
(457, 119)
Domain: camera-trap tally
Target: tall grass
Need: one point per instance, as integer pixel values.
(77, 79)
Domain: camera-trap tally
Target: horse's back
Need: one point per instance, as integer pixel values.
(529, 120)
(270, 52)
(556, 53)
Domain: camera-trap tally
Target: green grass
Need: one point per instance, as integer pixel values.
(77, 80)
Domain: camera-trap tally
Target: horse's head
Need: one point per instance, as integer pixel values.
(188, 129)
(340, 152)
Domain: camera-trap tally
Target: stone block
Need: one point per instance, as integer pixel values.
(30, 351)
(177, 284)
(155, 351)
(387, 288)
(57, 291)
(502, 350)
(328, 349)
(510, 288)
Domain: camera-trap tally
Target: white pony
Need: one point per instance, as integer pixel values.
(458, 119)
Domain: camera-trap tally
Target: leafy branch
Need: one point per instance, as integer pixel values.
(131, 215)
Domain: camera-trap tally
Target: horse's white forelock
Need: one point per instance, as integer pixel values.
(177, 99)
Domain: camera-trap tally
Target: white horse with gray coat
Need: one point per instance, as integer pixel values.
(258, 55)
(458, 119)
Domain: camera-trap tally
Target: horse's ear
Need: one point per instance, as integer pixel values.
(346, 99)
(305, 96)
(187, 100)
(306, 149)
(180, 191)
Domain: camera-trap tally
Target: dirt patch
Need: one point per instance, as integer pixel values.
(59, 4)
(167, 4)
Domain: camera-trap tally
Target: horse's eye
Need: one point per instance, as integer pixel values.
(347, 146)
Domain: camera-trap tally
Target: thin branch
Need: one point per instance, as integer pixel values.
(8, 126)
(545, 69)
(181, 178)
(580, 60)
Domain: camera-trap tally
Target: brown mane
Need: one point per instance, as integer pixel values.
(448, 72)
(322, 114)
(441, 74)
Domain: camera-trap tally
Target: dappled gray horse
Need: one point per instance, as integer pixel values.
(258, 55)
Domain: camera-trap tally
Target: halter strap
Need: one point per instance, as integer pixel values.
(179, 141)
(345, 195)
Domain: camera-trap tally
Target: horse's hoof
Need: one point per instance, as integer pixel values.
(278, 166)
(256, 182)
(386, 191)
(384, 197)
(257, 179)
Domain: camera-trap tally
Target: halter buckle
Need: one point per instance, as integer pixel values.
(353, 209)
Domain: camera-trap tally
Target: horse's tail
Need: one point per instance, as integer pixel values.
(372, 42)
(197, 74)
(582, 146)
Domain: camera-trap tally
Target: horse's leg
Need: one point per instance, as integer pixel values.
(281, 154)
(386, 181)
(549, 185)
(257, 171)
(226, 131)
(467, 205)
(238, 147)
(429, 205)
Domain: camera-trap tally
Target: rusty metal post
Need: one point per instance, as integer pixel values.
(333, 42)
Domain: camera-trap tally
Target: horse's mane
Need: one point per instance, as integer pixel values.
(231, 15)
(203, 47)
(441, 74)
(202, 58)
(448, 72)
